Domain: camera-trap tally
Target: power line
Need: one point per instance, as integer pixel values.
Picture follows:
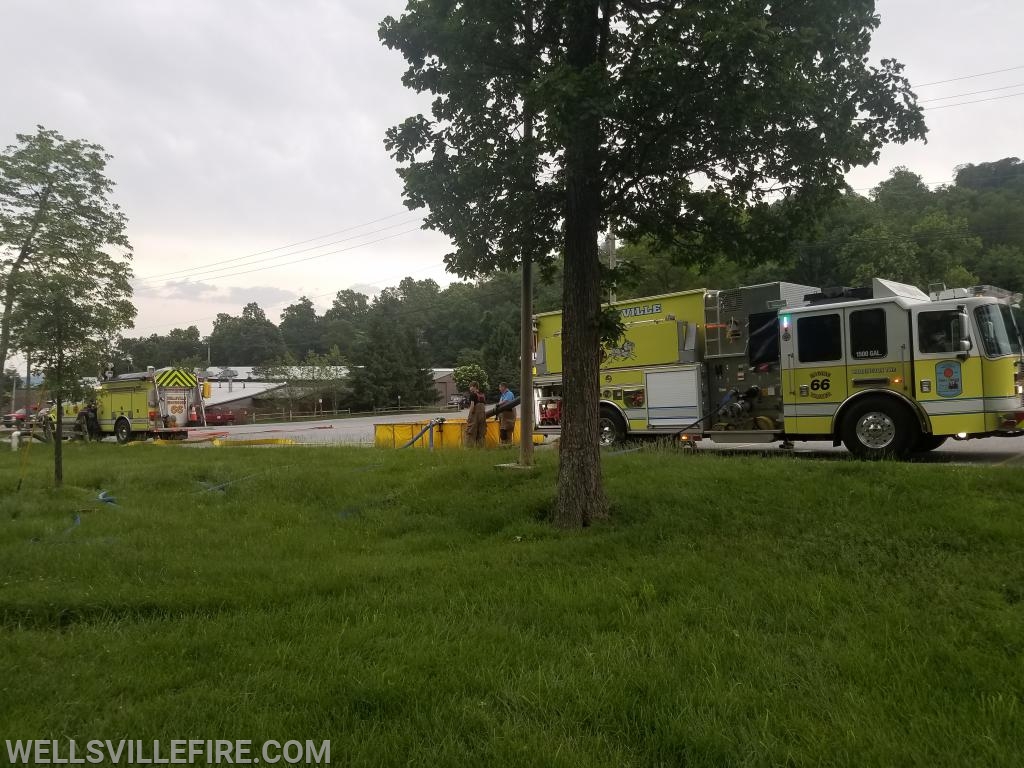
(973, 93)
(317, 256)
(290, 245)
(970, 77)
(209, 270)
(976, 101)
(353, 247)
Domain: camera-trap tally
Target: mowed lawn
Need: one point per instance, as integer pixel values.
(416, 609)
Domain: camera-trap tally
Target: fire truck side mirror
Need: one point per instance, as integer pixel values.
(963, 327)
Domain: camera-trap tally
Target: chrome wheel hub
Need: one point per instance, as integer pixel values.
(876, 430)
(606, 433)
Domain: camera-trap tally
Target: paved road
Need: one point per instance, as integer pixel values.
(359, 431)
(352, 431)
(999, 451)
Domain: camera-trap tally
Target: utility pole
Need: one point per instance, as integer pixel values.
(526, 417)
(609, 246)
(28, 378)
(526, 365)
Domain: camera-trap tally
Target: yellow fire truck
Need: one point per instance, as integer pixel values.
(158, 403)
(885, 370)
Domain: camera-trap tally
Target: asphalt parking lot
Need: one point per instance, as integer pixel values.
(360, 431)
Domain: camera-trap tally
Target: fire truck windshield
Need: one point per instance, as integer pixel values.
(998, 329)
(1018, 320)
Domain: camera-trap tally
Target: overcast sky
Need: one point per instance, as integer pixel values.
(240, 126)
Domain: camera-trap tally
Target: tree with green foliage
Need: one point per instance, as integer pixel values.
(391, 366)
(182, 347)
(326, 378)
(465, 374)
(70, 316)
(251, 339)
(457, 324)
(670, 118)
(343, 324)
(309, 382)
(501, 353)
(55, 208)
(301, 328)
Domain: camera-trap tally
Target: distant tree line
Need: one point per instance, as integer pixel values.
(389, 342)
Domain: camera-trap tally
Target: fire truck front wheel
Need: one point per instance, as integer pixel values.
(879, 428)
(123, 431)
(611, 428)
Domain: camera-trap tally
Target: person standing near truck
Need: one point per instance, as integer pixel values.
(476, 420)
(506, 413)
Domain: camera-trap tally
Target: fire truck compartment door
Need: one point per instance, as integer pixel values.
(949, 387)
(177, 407)
(674, 397)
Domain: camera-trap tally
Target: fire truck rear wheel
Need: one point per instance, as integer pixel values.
(611, 428)
(879, 428)
(123, 431)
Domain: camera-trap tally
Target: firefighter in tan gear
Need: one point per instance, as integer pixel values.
(506, 413)
(476, 420)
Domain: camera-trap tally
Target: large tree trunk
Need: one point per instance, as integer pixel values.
(580, 492)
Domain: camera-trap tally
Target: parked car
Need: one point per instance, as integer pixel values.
(458, 401)
(20, 417)
(219, 416)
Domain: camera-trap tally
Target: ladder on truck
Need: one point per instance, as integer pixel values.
(712, 324)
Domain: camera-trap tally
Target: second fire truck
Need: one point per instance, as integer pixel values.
(158, 403)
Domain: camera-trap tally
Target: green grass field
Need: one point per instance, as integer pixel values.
(416, 610)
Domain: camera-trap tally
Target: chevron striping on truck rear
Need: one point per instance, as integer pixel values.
(176, 377)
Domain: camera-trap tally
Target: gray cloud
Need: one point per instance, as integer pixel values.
(273, 122)
(265, 296)
(241, 126)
